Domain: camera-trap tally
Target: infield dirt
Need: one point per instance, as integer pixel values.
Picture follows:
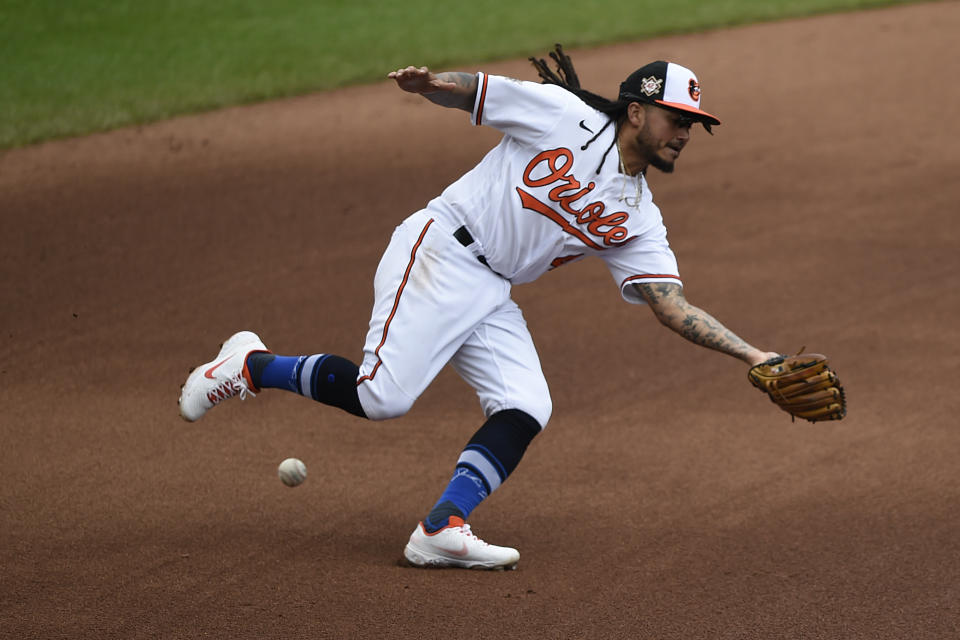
(666, 499)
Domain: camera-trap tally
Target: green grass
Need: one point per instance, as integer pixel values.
(69, 67)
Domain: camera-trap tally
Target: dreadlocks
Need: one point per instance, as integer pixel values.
(566, 77)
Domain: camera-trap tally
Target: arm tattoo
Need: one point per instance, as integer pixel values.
(668, 303)
(462, 97)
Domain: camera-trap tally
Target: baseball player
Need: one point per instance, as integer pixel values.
(566, 182)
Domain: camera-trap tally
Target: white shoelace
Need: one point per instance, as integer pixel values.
(465, 528)
(230, 388)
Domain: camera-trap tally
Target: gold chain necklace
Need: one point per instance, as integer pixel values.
(623, 185)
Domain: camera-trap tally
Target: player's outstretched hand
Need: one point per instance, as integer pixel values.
(420, 80)
(762, 356)
(803, 385)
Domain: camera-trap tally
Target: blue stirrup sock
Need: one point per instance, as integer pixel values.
(490, 456)
(326, 378)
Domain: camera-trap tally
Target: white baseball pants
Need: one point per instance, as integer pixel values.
(434, 303)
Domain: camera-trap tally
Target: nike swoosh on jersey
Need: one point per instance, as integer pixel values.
(584, 126)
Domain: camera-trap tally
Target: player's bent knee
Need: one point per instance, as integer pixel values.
(383, 404)
(387, 409)
(540, 411)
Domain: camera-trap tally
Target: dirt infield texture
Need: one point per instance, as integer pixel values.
(666, 499)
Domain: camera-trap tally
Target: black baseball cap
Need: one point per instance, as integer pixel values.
(670, 85)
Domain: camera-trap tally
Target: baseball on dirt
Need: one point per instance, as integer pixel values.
(292, 472)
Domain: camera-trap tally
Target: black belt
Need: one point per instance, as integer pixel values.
(463, 237)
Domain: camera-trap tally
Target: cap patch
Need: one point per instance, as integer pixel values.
(651, 85)
(667, 84)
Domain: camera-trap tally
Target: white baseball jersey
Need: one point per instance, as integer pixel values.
(537, 200)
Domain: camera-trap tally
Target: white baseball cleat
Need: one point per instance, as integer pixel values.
(456, 546)
(223, 377)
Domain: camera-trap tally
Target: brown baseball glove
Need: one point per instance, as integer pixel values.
(803, 385)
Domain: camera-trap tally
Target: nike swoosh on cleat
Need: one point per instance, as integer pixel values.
(209, 372)
(584, 126)
(462, 552)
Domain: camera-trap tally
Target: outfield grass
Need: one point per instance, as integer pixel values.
(74, 67)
